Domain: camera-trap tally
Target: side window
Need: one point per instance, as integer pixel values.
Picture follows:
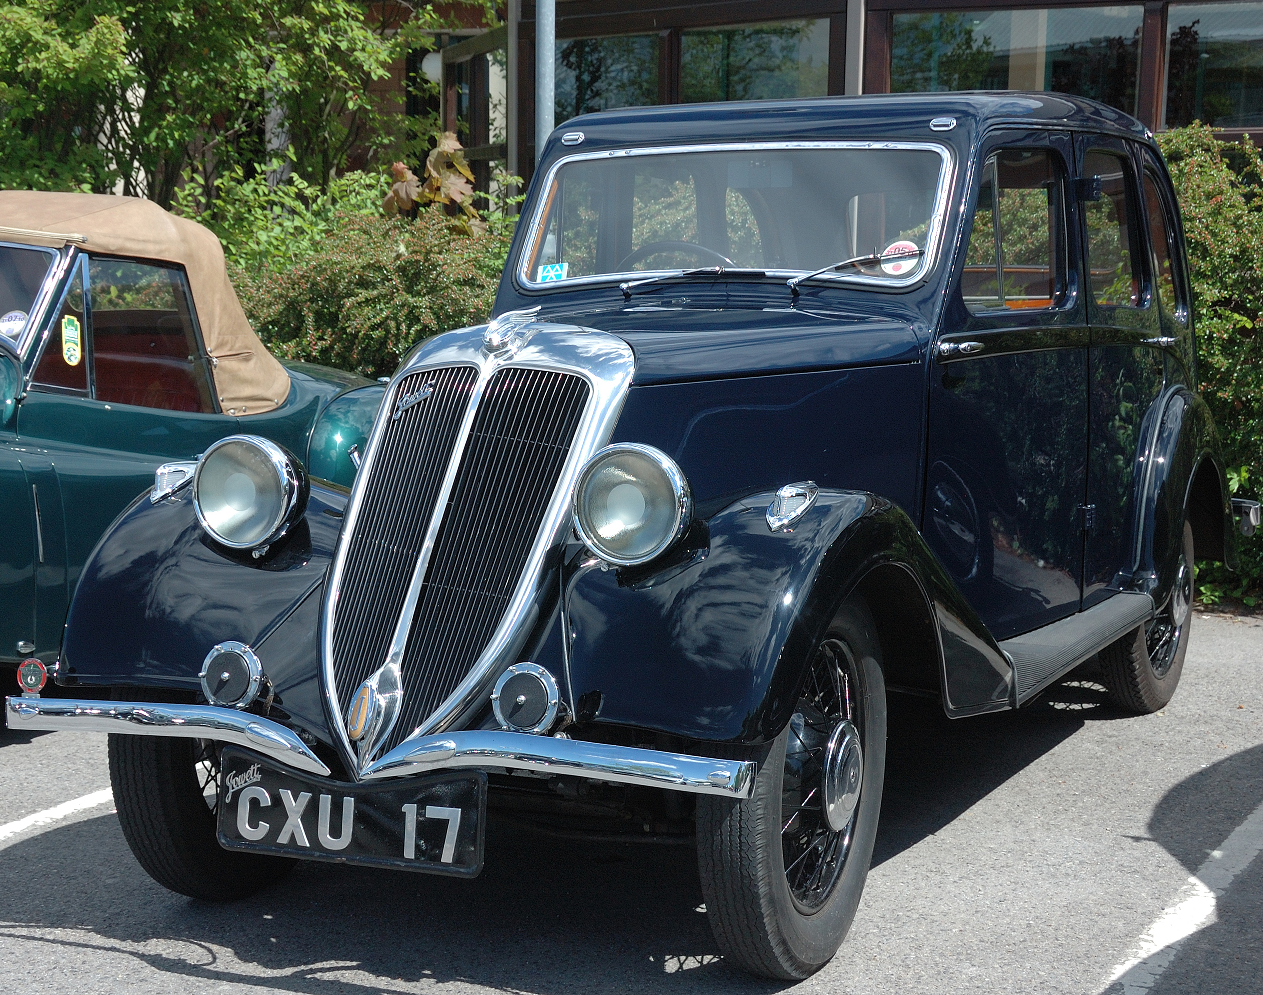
(1113, 272)
(1159, 231)
(1015, 257)
(145, 347)
(64, 363)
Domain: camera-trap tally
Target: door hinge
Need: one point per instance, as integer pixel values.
(1087, 517)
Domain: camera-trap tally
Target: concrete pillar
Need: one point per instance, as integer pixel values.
(545, 57)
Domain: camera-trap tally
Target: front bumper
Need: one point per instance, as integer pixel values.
(469, 749)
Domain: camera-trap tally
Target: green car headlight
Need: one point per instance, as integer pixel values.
(631, 503)
(248, 491)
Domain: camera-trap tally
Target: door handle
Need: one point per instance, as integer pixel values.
(1165, 341)
(946, 349)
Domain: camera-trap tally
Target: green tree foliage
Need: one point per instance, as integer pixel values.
(1220, 189)
(938, 52)
(99, 93)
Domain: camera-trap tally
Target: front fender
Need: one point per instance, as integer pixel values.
(712, 645)
(345, 423)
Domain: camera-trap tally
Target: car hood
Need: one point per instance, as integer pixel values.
(683, 339)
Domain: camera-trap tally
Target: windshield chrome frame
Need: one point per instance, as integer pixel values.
(933, 240)
(52, 277)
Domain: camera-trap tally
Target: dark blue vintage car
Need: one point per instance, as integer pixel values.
(786, 407)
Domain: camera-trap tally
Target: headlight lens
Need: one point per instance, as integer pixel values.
(247, 491)
(631, 503)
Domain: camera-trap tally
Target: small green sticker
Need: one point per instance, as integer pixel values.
(71, 346)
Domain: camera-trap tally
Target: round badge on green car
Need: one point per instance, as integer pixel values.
(631, 503)
(247, 491)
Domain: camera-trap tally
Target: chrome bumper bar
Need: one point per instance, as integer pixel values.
(473, 749)
(146, 718)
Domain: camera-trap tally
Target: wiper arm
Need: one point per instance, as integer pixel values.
(628, 286)
(868, 259)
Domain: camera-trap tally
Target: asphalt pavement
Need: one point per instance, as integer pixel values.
(1037, 851)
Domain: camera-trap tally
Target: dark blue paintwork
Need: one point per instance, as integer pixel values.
(747, 390)
(722, 632)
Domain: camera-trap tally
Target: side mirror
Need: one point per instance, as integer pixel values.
(10, 381)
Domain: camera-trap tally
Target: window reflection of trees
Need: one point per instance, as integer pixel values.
(595, 74)
(755, 62)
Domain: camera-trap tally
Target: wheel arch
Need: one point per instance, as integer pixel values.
(1205, 503)
(911, 654)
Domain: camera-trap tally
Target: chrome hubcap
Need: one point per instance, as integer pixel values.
(1182, 595)
(843, 775)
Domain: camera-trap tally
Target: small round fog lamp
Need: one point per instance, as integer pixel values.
(247, 491)
(631, 503)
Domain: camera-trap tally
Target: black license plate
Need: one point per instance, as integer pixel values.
(433, 823)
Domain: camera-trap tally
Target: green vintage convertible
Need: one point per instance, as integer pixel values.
(133, 352)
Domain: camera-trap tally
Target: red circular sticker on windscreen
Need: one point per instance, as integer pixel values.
(899, 258)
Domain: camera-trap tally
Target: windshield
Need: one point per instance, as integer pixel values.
(22, 272)
(782, 210)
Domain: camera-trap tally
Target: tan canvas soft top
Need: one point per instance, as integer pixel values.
(248, 378)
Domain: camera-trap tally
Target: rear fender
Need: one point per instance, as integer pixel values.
(712, 643)
(1183, 476)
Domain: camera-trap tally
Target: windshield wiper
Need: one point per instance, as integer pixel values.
(628, 286)
(868, 259)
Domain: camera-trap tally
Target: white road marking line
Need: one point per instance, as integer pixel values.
(1194, 908)
(56, 813)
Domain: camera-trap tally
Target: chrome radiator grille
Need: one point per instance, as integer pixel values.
(517, 446)
(393, 518)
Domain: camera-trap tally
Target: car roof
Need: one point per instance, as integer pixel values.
(904, 115)
(248, 379)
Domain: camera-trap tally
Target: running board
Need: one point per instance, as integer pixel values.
(1041, 656)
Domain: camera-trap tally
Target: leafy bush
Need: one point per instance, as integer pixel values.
(262, 223)
(373, 287)
(1220, 188)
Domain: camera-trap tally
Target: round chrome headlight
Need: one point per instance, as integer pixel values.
(631, 503)
(247, 491)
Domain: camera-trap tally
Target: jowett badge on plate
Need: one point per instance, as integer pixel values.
(433, 823)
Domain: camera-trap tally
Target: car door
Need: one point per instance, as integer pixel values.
(1127, 362)
(121, 386)
(1008, 394)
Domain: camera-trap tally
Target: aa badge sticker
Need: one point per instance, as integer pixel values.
(71, 342)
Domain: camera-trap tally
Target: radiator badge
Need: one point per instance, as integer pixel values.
(416, 397)
(365, 704)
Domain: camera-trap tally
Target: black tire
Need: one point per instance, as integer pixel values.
(166, 793)
(1142, 669)
(761, 922)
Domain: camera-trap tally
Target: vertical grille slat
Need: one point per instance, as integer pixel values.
(518, 443)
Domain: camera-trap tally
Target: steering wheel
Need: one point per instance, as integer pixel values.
(652, 248)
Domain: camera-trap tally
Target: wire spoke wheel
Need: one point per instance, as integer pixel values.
(814, 851)
(1162, 637)
(206, 769)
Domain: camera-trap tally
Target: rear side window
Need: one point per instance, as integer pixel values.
(1014, 258)
(145, 345)
(1160, 233)
(1113, 270)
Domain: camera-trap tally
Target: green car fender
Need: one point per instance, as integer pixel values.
(344, 426)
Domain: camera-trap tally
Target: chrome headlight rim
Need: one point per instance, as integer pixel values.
(682, 499)
(293, 481)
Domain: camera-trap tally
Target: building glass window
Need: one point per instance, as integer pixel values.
(597, 74)
(1215, 65)
(1087, 51)
(755, 61)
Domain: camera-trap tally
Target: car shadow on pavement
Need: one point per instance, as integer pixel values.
(546, 915)
(1191, 821)
(937, 768)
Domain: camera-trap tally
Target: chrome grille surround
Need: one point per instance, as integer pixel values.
(606, 363)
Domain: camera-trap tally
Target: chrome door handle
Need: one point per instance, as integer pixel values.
(1165, 341)
(959, 348)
